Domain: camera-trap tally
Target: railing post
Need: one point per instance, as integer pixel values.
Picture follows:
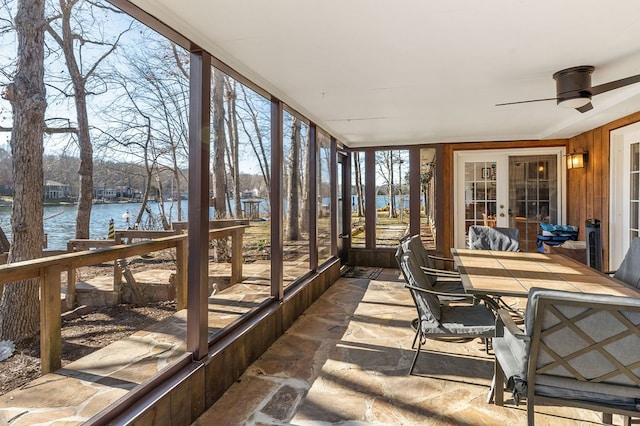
(117, 275)
(50, 319)
(236, 255)
(181, 274)
(71, 280)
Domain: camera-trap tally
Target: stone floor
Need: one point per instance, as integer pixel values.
(345, 361)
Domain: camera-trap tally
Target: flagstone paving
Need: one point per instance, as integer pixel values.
(345, 362)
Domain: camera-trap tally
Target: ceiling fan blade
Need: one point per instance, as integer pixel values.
(526, 102)
(585, 108)
(601, 88)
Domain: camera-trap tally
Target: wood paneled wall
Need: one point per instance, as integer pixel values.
(588, 189)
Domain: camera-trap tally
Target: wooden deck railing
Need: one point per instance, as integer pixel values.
(49, 269)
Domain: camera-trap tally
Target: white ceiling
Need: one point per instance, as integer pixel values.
(376, 72)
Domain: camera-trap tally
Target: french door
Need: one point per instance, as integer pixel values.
(516, 188)
(624, 223)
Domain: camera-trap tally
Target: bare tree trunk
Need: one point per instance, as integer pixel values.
(359, 191)
(221, 246)
(293, 218)
(304, 188)
(392, 198)
(85, 196)
(160, 200)
(19, 305)
(233, 158)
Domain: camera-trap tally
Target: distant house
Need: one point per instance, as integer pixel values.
(253, 193)
(113, 193)
(55, 190)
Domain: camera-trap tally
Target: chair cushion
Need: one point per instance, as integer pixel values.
(536, 292)
(587, 392)
(449, 287)
(488, 238)
(512, 354)
(472, 320)
(629, 269)
(428, 306)
(415, 245)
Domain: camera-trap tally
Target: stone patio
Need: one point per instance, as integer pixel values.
(345, 361)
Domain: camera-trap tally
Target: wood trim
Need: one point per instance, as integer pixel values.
(277, 243)
(199, 138)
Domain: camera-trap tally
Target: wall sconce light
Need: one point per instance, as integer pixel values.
(576, 160)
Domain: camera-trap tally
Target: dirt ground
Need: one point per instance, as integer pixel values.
(81, 335)
(88, 329)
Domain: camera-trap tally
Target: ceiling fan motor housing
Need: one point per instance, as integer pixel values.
(574, 82)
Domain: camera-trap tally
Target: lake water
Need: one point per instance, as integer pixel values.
(60, 221)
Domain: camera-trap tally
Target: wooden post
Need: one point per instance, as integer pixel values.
(116, 297)
(181, 274)
(236, 256)
(71, 280)
(50, 319)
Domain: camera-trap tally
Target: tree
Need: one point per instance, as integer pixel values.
(73, 41)
(357, 167)
(233, 157)
(293, 191)
(220, 245)
(19, 305)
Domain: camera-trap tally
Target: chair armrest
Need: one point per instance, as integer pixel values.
(444, 259)
(505, 321)
(440, 272)
(440, 293)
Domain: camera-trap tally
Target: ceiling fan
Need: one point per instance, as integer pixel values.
(574, 90)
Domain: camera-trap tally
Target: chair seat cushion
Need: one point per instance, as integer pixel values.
(472, 320)
(450, 287)
(581, 391)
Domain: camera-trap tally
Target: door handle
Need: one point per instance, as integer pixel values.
(345, 236)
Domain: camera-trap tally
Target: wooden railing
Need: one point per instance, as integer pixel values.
(49, 270)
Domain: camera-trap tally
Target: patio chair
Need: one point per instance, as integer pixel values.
(427, 261)
(444, 281)
(436, 321)
(576, 349)
(629, 269)
(490, 238)
(428, 277)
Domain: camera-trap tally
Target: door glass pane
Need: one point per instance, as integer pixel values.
(533, 189)
(480, 194)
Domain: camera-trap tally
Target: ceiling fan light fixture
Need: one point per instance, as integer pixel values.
(573, 103)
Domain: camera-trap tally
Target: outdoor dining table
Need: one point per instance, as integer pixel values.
(502, 273)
